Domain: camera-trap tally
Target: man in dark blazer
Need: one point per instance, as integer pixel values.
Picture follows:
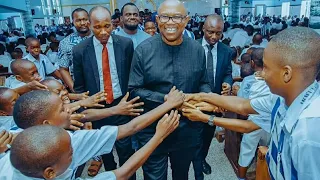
(219, 71)
(103, 62)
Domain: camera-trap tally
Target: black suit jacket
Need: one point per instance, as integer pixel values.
(85, 65)
(224, 67)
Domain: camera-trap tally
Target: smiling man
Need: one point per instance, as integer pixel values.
(130, 19)
(102, 62)
(160, 62)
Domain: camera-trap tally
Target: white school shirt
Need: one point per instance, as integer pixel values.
(301, 144)
(85, 143)
(12, 83)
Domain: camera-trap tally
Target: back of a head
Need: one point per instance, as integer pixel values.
(246, 70)
(246, 58)
(297, 47)
(257, 57)
(2, 49)
(32, 108)
(21, 41)
(257, 39)
(36, 149)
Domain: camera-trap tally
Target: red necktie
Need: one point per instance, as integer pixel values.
(106, 75)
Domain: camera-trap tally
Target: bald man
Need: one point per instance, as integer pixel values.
(291, 64)
(164, 60)
(102, 62)
(219, 72)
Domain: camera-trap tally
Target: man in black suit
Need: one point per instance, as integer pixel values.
(160, 62)
(219, 71)
(103, 62)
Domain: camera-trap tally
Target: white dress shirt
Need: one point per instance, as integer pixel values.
(240, 38)
(116, 88)
(214, 52)
(12, 82)
(5, 60)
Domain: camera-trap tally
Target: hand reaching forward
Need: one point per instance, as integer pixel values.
(94, 100)
(175, 97)
(226, 89)
(167, 124)
(128, 108)
(194, 114)
(5, 139)
(75, 123)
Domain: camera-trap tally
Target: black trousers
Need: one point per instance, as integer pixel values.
(123, 146)
(156, 167)
(208, 133)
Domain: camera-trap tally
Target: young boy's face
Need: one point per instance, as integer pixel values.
(30, 73)
(10, 97)
(59, 115)
(58, 88)
(34, 48)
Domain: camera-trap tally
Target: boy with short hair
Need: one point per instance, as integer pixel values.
(86, 143)
(43, 64)
(8, 98)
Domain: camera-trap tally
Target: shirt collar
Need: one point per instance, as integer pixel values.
(96, 42)
(205, 43)
(31, 58)
(293, 111)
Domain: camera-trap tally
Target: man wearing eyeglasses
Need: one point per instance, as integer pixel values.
(160, 62)
(130, 19)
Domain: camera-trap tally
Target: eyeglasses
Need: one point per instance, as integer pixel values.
(175, 19)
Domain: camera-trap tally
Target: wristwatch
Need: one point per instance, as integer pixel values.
(210, 121)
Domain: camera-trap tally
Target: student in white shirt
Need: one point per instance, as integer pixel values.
(24, 72)
(86, 144)
(242, 37)
(43, 64)
(8, 98)
(291, 64)
(57, 153)
(4, 59)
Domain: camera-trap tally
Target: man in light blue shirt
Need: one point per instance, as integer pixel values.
(291, 63)
(130, 19)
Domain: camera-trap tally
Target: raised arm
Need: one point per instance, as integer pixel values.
(231, 103)
(165, 126)
(174, 100)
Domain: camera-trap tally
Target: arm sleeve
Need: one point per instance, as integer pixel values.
(90, 143)
(228, 75)
(204, 82)
(150, 98)
(49, 66)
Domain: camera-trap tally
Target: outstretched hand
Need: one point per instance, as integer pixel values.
(175, 97)
(167, 124)
(129, 108)
(94, 100)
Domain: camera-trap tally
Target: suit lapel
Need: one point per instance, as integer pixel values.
(220, 57)
(118, 56)
(91, 55)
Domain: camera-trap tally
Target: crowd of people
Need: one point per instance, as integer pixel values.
(154, 86)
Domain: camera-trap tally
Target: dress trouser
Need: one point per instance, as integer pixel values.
(208, 134)
(156, 167)
(123, 146)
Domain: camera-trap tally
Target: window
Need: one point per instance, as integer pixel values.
(285, 9)
(305, 9)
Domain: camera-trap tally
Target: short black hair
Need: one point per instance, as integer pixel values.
(17, 66)
(246, 70)
(257, 38)
(32, 108)
(36, 149)
(78, 10)
(30, 39)
(257, 57)
(298, 47)
(21, 41)
(2, 49)
(128, 4)
(245, 58)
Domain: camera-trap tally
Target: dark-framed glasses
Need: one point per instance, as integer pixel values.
(175, 19)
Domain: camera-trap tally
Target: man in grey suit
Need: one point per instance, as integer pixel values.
(160, 62)
(103, 62)
(219, 71)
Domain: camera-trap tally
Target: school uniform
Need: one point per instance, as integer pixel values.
(295, 141)
(7, 122)
(44, 66)
(12, 83)
(85, 143)
(255, 88)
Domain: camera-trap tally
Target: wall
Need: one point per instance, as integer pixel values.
(17, 5)
(273, 7)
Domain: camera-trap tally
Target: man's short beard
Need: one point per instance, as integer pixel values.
(83, 31)
(131, 27)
